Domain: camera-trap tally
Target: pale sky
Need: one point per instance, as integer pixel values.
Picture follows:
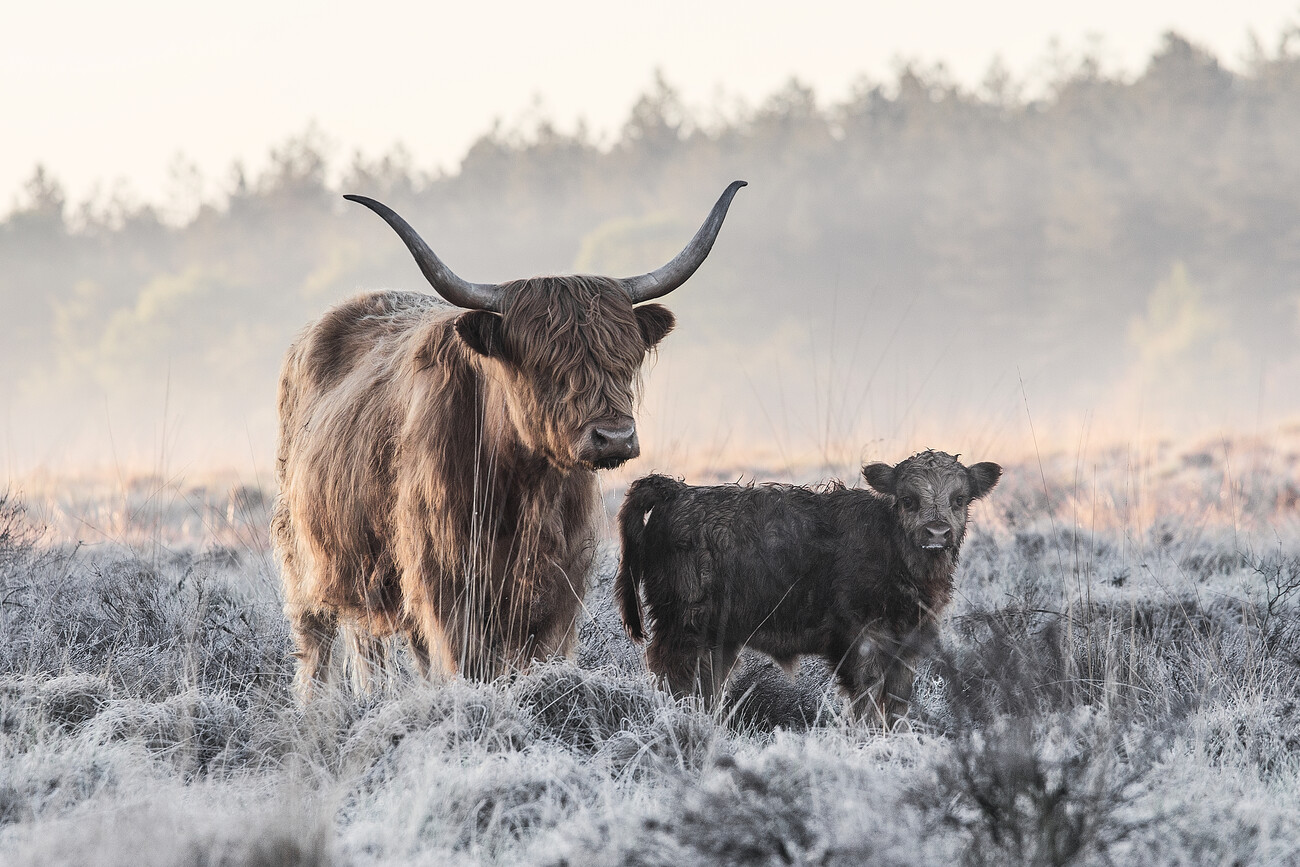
(111, 94)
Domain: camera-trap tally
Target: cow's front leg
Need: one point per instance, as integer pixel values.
(313, 634)
(368, 656)
(555, 618)
(419, 651)
(430, 652)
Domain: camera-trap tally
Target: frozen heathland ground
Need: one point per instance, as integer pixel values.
(1119, 683)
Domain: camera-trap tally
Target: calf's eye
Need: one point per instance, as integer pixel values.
(908, 503)
(958, 502)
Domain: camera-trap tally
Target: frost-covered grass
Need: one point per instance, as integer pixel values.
(1119, 683)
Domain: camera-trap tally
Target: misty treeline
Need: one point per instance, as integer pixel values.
(915, 256)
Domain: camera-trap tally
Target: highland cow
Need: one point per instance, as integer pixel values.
(437, 465)
(857, 577)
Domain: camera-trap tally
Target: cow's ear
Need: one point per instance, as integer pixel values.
(481, 331)
(880, 476)
(655, 321)
(983, 477)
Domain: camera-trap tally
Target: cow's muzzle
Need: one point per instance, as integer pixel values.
(934, 536)
(609, 443)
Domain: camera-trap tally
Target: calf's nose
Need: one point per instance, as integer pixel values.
(936, 535)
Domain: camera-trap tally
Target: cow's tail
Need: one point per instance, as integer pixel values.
(642, 498)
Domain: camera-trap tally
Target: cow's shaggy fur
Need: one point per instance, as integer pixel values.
(431, 472)
(857, 577)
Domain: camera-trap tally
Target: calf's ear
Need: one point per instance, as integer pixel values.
(481, 331)
(880, 476)
(983, 477)
(655, 321)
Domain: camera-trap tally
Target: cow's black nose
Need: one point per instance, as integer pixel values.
(609, 443)
(613, 438)
(936, 535)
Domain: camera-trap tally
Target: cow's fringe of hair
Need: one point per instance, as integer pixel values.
(593, 357)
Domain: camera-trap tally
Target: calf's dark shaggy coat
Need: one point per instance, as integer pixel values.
(858, 577)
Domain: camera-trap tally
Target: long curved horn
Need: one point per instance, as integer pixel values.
(462, 293)
(664, 280)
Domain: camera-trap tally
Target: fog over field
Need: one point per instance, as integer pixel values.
(1090, 277)
(919, 264)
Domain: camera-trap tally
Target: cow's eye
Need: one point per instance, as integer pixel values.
(908, 503)
(958, 501)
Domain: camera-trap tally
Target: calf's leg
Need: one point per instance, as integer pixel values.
(861, 698)
(896, 692)
(713, 672)
(857, 666)
(900, 673)
(676, 662)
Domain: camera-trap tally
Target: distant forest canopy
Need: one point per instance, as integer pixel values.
(917, 265)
